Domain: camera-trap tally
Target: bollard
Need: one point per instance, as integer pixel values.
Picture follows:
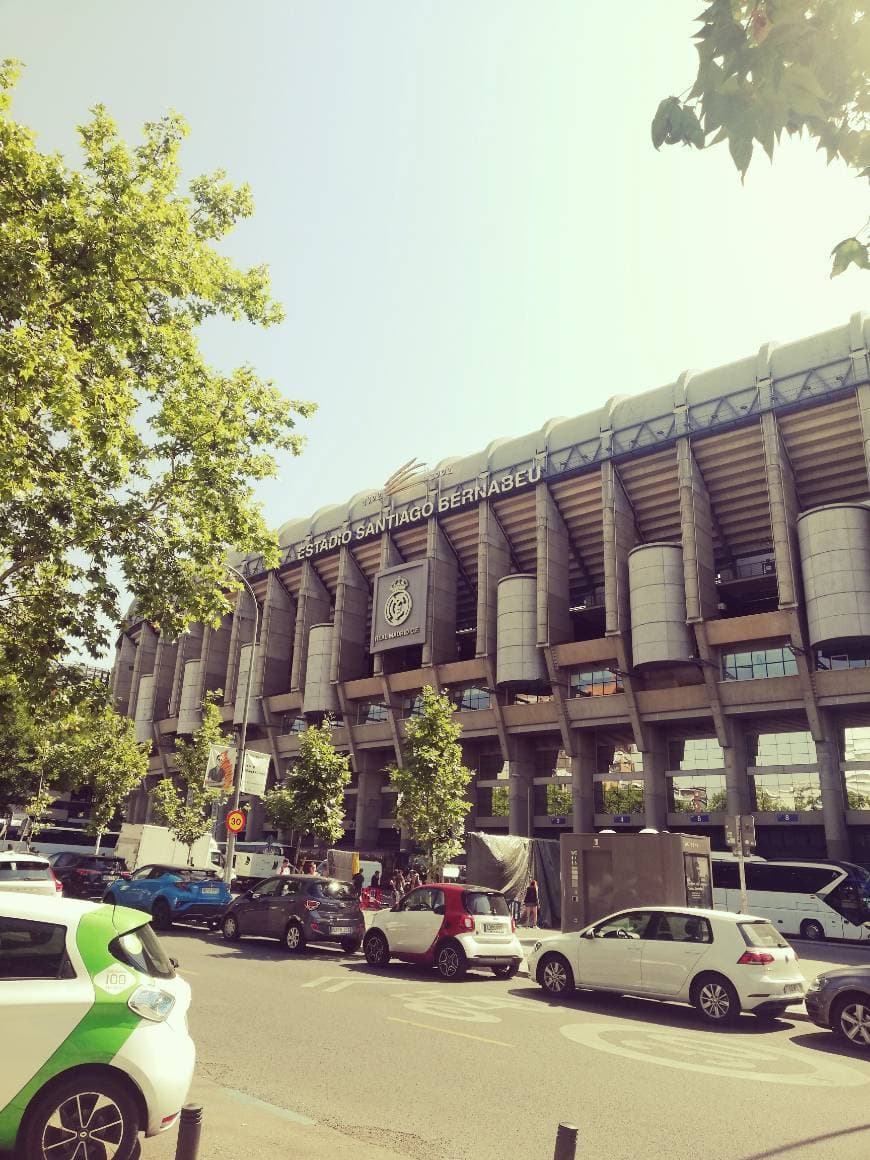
(566, 1142)
(189, 1131)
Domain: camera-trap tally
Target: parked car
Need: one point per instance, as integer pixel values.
(450, 926)
(172, 894)
(840, 999)
(722, 963)
(87, 875)
(298, 909)
(27, 874)
(95, 1041)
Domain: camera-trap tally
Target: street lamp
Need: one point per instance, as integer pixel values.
(243, 734)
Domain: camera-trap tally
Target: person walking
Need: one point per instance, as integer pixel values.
(400, 884)
(358, 881)
(530, 904)
(286, 868)
(375, 883)
(414, 880)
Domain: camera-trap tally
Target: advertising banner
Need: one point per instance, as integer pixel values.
(220, 771)
(399, 607)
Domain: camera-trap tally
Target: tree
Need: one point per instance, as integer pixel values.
(622, 797)
(432, 781)
(311, 800)
(123, 452)
(560, 801)
(182, 802)
(768, 67)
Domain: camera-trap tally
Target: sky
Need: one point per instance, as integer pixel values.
(460, 205)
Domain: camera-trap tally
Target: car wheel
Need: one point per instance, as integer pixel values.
(506, 970)
(350, 945)
(161, 915)
(86, 1112)
(294, 938)
(715, 999)
(450, 961)
(850, 1019)
(555, 975)
(812, 931)
(375, 949)
(230, 928)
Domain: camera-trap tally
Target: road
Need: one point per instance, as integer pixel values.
(487, 1068)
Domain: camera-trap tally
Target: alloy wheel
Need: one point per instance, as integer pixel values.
(86, 1126)
(854, 1020)
(555, 976)
(449, 962)
(714, 1000)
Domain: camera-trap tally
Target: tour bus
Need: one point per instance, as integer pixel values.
(814, 899)
(53, 839)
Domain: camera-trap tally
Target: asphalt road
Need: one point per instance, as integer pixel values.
(486, 1068)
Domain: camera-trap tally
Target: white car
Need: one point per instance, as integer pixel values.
(449, 926)
(95, 1041)
(722, 963)
(27, 874)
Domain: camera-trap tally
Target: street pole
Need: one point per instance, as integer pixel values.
(243, 733)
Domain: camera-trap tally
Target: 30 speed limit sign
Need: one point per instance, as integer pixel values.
(236, 821)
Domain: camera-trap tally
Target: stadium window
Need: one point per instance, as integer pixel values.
(595, 683)
(751, 666)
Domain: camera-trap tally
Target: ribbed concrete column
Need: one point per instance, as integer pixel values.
(521, 772)
(144, 710)
(440, 644)
(272, 674)
(493, 562)
(122, 672)
(390, 556)
(351, 609)
(620, 536)
(655, 784)
(553, 560)
(582, 790)
(164, 675)
(320, 694)
(214, 656)
(314, 607)
(784, 510)
(241, 634)
(833, 789)
(737, 759)
(368, 802)
(189, 649)
(143, 665)
(696, 527)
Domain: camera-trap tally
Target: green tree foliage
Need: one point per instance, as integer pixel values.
(501, 803)
(559, 801)
(622, 797)
(123, 453)
(769, 67)
(182, 803)
(432, 781)
(311, 799)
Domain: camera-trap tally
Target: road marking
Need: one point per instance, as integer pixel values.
(446, 1003)
(448, 1031)
(339, 983)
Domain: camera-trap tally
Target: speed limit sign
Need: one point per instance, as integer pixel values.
(236, 821)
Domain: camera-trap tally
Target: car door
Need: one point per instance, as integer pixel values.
(674, 945)
(132, 892)
(424, 915)
(610, 953)
(254, 910)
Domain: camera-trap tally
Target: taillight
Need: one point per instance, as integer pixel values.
(58, 885)
(757, 958)
(466, 922)
(311, 904)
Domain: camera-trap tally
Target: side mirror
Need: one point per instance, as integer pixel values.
(588, 934)
(174, 962)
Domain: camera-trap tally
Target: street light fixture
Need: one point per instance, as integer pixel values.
(243, 733)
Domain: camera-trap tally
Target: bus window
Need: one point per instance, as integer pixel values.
(725, 875)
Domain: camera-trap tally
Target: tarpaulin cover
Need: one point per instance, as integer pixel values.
(509, 863)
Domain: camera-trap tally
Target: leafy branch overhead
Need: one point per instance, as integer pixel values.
(773, 67)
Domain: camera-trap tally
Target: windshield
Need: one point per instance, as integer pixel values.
(141, 949)
(476, 902)
(24, 871)
(761, 934)
(338, 891)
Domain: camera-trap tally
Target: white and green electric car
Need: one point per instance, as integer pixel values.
(93, 1025)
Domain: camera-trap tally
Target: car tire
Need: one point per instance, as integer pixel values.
(230, 928)
(350, 945)
(556, 976)
(161, 915)
(376, 949)
(715, 999)
(506, 970)
(83, 1095)
(812, 931)
(294, 938)
(850, 1021)
(450, 961)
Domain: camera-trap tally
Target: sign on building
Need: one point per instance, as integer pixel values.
(399, 608)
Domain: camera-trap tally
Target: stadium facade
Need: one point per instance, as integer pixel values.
(653, 614)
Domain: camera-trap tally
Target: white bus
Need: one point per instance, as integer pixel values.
(813, 899)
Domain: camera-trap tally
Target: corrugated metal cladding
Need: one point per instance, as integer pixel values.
(655, 613)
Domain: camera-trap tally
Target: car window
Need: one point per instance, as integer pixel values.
(419, 900)
(140, 875)
(24, 871)
(288, 888)
(33, 950)
(158, 872)
(269, 887)
(682, 928)
(631, 925)
(484, 902)
(340, 891)
(61, 860)
(141, 949)
(761, 934)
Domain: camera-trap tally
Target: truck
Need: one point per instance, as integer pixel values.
(142, 845)
(250, 866)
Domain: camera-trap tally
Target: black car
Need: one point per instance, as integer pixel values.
(840, 999)
(86, 875)
(297, 909)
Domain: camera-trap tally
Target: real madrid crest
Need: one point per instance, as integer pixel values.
(398, 605)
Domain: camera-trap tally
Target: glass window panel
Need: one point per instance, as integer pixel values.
(694, 795)
(786, 792)
(618, 797)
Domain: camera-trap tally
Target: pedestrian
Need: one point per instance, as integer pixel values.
(400, 884)
(375, 883)
(286, 868)
(358, 881)
(414, 880)
(530, 904)
(308, 867)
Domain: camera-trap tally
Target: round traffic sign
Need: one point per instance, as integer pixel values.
(236, 821)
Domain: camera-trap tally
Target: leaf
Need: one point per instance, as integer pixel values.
(847, 252)
(693, 134)
(661, 122)
(741, 153)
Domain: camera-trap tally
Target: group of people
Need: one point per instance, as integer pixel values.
(398, 884)
(306, 867)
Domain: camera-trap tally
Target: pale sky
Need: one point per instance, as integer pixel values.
(460, 204)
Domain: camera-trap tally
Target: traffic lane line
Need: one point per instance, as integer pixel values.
(448, 1031)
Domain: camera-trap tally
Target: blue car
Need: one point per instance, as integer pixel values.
(172, 894)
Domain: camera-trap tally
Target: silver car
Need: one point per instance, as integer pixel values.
(27, 874)
(840, 999)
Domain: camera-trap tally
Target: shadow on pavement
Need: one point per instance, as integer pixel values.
(808, 1141)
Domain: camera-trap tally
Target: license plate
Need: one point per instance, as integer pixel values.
(211, 890)
(793, 988)
(493, 928)
(342, 930)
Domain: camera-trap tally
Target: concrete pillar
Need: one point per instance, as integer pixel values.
(493, 562)
(521, 773)
(143, 664)
(833, 789)
(272, 672)
(314, 607)
(214, 656)
(582, 786)
(737, 759)
(241, 634)
(122, 672)
(620, 536)
(784, 511)
(655, 784)
(189, 648)
(440, 644)
(390, 556)
(368, 801)
(164, 676)
(350, 638)
(863, 393)
(696, 526)
(553, 563)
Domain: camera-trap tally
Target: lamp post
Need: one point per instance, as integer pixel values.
(243, 733)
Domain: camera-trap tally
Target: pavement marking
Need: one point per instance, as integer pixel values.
(726, 1056)
(339, 983)
(448, 1031)
(447, 1003)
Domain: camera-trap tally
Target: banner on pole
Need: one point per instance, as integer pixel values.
(220, 772)
(255, 773)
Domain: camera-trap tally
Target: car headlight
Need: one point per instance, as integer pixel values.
(817, 984)
(151, 1003)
